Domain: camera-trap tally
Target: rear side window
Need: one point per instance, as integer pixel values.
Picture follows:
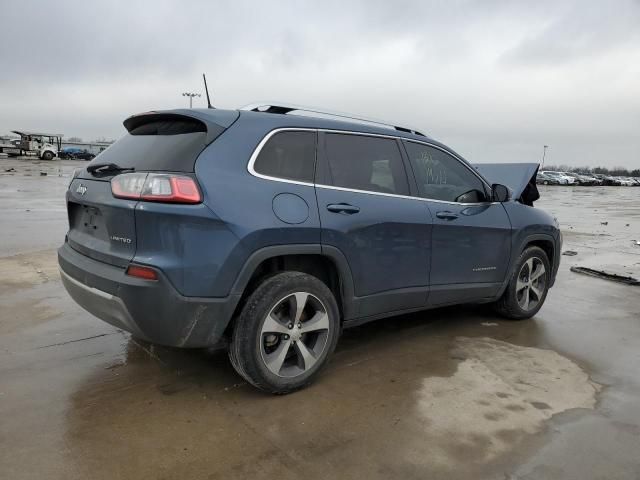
(366, 163)
(288, 155)
(441, 176)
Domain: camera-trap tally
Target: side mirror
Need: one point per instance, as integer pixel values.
(499, 193)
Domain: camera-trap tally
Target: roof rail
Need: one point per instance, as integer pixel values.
(284, 109)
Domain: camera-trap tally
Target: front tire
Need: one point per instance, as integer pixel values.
(47, 155)
(285, 333)
(528, 286)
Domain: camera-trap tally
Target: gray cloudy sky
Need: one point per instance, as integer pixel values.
(493, 79)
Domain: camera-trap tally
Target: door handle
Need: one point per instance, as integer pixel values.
(343, 208)
(447, 215)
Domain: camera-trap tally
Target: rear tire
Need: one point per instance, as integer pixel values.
(528, 286)
(279, 346)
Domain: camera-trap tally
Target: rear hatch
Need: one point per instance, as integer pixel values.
(102, 226)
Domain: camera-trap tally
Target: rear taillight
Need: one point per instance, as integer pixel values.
(128, 185)
(156, 187)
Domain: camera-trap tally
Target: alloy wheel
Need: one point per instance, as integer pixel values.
(531, 284)
(294, 334)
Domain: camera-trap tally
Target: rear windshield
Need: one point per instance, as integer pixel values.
(172, 153)
(169, 143)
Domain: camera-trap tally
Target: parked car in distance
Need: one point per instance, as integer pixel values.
(611, 181)
(271, 231)
(571, 180)
(626, 181)
(73, 153)
(84, 155)
(582, 179)
(602, 178)
(593, 180)
(544, 179)
(562, 178)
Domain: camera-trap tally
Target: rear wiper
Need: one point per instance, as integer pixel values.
(108, 167)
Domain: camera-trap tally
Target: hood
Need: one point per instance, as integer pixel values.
(519, 177)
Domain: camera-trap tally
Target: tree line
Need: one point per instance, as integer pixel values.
(615, 171)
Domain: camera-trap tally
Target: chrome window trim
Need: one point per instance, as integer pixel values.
(395, 195)
(256, 152)
(258, 149)
(406, 197)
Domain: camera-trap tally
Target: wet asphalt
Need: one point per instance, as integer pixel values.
(450, 393)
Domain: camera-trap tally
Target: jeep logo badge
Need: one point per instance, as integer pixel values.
(81, 189)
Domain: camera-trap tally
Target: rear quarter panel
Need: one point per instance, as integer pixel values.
(187, 242)
(244, 204)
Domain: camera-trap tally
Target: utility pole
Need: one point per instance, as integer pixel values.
(544, 153)
(190, 95)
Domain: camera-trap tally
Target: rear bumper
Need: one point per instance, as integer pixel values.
(151, 310)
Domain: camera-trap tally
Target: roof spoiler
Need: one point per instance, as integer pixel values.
(183, 121)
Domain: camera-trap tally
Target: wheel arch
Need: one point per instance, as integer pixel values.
(326, 263)
(541, 240)
(544, 242)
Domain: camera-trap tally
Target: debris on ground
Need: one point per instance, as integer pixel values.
(43, 174)
(489, 324)
(606, 276)
(10, 169)
(570, 253)
(637, 242)
(604, 223)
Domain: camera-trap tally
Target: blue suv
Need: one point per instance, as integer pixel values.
(271, 228)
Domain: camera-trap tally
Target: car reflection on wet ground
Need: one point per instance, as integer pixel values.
(449, 393)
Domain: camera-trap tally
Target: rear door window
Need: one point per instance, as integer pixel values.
(440, 176)
(361, 162)
(289, 155)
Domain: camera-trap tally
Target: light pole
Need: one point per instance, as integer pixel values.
(544, 153)
(190, 95)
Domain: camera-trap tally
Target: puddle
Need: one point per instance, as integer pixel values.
(25, 270)
(25, 314)
(499, 393)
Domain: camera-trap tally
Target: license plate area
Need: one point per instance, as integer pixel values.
(92, 218)
(100, 226)
(89, 220)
